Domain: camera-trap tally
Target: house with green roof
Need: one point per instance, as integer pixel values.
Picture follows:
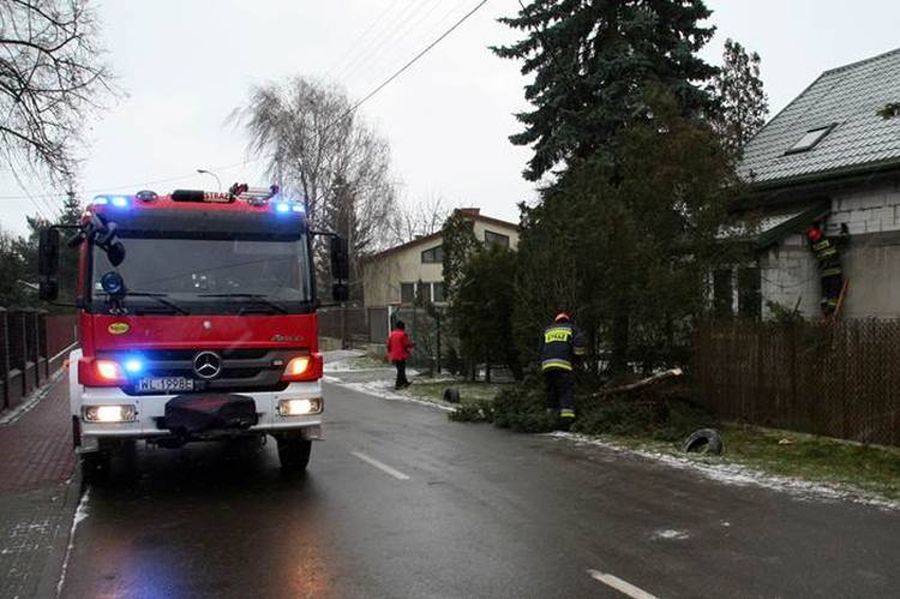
(832, 155)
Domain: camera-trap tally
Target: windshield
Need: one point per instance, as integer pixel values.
(210, 271)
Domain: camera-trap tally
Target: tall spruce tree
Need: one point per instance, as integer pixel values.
(739, 90)
(591, 62)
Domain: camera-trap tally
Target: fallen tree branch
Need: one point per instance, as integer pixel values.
(652, 380)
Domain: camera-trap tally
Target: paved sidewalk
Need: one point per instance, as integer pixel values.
(38, 494)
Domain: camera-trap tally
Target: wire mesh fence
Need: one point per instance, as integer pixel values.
(837, 379)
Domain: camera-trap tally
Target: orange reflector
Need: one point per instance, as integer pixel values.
(109, 370)
(297, 366)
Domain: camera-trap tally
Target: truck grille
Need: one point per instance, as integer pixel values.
(241, 369)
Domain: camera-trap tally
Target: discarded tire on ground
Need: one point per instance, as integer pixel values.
(451, 395)
(705, 440)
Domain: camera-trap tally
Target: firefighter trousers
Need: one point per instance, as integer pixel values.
(560, 391)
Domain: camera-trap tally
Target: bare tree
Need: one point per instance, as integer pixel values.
(316, 146)
(419, 218)
(52, 75)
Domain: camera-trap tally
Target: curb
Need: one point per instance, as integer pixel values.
(48, 584)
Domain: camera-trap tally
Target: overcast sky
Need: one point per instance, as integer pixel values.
(187, 64)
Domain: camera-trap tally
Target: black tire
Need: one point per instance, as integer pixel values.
(96, 467)
(705, 440)
(451, 395)
(293, 452)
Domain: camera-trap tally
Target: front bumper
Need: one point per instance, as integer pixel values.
(149, 421)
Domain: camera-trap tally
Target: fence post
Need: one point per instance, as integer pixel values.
(4, 356)
(35, 347)
(43, 347)
(437, 319)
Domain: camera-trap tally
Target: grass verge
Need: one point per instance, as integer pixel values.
(662, 425)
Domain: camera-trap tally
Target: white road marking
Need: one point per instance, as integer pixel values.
(626, 588)
(383, 467)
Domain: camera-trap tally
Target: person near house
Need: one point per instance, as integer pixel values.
(826, 252)
(399, 348)
(562, 348)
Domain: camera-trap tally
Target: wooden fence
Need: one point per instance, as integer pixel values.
(840, 379)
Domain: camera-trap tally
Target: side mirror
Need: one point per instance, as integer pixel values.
(340, 269)
(105, 236)
(48, 265)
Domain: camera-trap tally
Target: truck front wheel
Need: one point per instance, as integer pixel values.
(293, 452)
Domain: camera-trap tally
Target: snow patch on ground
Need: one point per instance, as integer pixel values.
(81, 512)
(384, 389)
(736, 474)
(670, 534)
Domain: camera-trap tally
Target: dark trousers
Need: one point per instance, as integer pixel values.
(831, 291)
(560, 389)
(401, 374)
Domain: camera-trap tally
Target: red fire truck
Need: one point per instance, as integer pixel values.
(197, 322)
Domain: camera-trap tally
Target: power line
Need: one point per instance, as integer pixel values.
(14, 170)
(364, 43)
(136, 186)
(389, 40)
(349, 111)
(411, 62)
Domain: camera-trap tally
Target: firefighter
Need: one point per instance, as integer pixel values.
(562, 347)
(830, 272)
(399, 348)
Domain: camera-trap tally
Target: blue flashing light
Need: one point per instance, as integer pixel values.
(297, 208)
(133, 365)
(282, 207)
(100, 201)
(119, 201)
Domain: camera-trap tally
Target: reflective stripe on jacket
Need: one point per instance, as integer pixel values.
(560, 345)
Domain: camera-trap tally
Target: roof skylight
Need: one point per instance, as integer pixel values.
(810, 139)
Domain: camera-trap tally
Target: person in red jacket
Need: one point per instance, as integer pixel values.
(399, 346)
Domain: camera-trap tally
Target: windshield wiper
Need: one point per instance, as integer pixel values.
(257, 297)
(159, 297)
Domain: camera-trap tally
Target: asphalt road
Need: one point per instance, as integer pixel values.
(400, 502)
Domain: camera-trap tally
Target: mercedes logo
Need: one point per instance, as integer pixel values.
(207, 364)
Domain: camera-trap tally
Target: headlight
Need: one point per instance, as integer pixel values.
(300, 407)
(126, 413)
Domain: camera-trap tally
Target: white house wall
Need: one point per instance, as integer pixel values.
(871, 260)
(383, 275)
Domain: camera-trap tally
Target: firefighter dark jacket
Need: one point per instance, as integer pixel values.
(561, 344)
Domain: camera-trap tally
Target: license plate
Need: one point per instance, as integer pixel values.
(165, 384)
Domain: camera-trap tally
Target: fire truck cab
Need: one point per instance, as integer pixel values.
(197, 322)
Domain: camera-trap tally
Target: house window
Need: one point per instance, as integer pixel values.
(407, 293)
(437, 293)
(723, 293)
(749, 293)
(496, 239)
(810, 139)
(433, 256)
(423, 292)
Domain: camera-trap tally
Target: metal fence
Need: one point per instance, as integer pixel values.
(349, 324)
(31, 343)
(837, 379)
